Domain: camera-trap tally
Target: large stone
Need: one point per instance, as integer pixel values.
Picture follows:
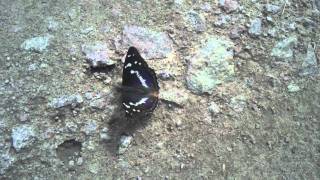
(37, 44)
(211, 65)
(22, 136)
(97, 54)
(151, 44)
(283, 49)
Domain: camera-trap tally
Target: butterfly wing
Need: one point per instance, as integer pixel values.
(138, 104)
(139, 85)
(136, 72)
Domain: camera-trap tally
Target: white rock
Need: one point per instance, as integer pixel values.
(22, 136)
(124, 143)
(214, 108)
(65, 100)
(38, 44)
(293, 88)
(97, 54)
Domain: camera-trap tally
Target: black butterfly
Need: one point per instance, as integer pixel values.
(140, 87)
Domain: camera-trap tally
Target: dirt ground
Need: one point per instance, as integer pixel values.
(261, 123)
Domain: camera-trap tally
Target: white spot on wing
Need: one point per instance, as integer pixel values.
(135, 62)
(129, 55)
(128, 65)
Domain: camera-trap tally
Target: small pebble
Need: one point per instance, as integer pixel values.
(273, 9)
(104, 135)
(164, 75)
(80, 161)
(214, 108)
(23, 117)
(229, 5)
(107, 80)
(206, 7)
(124, 143)
(197, 21)
(229, 149)
(71, 163)
(178, 123)
(255, 28)
(22, 136)
(293, 88)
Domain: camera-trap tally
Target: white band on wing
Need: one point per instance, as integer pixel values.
(143, 100)
(143, 81)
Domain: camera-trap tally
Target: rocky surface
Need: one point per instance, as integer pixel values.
(97, 54)
(152, 44)
(66, 100)
(211, 65)
(239, 89)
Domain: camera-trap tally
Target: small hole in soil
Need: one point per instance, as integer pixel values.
(69, 149)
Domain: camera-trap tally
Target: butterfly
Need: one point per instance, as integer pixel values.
(140, 87)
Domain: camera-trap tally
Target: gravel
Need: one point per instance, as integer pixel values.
(66, 100)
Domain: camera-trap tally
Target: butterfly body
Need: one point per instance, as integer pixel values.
(140, 87)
